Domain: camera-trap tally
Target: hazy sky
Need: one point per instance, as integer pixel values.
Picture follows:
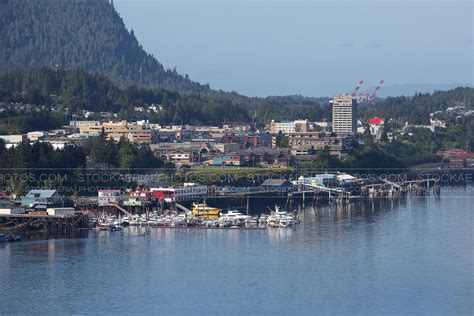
(312, 48)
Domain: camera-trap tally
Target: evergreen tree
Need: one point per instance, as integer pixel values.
(384, 136)
(367, 136)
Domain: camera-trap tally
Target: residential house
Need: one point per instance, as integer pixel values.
(108, 197)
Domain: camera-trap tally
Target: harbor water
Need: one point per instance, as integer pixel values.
(400, 256)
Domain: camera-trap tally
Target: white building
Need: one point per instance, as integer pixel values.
(61, 211)
(58, 143)
(187, 192)
(376, 126)
(12, 210)
(321, 125)
(13, 140)
(289, 126)
(108, 197)
(84, 123)
(34, 136)
(344, 114)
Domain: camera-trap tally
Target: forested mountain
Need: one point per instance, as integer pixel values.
(79, 54)
(87, 34)
(75, 90)
(90, 35)
(70, 91)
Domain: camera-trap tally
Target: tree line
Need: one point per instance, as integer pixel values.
(71, 91)
(416, 109)
(74, 168)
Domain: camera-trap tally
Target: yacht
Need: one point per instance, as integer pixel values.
(279, 218)
(234, 214)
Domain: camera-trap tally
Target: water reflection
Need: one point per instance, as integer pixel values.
(340, 255)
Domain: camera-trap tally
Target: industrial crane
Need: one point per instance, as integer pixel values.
(357, 88)
(364, 97)
(377, 89)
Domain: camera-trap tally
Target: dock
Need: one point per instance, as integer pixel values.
(50, 223)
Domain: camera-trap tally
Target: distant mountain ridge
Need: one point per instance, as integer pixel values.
(87, 34)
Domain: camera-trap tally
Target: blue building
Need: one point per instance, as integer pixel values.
(325, 179)
(225, 160)
(42, 198)
(277, 184)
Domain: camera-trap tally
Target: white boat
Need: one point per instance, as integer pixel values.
(160, 221)
(279, 218)
(252, 221)
(124, 222)
(263, 219)
(101, 227)
(208, 223)
(234, 214)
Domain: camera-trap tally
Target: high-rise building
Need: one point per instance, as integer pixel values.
(344, 114)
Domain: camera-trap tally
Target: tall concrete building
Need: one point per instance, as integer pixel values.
(344, 114)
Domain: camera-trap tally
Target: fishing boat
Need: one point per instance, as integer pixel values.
(202, 209)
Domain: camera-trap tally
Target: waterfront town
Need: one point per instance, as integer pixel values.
(236, 157)
(267, 155)
(279, 143)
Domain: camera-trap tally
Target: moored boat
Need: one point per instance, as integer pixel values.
(202, 209)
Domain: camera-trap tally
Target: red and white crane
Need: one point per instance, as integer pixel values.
(357, 88)
(365, 97)
(377, 89)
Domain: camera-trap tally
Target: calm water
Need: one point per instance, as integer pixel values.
(413, 257)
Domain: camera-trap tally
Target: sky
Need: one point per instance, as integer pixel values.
(312, 48)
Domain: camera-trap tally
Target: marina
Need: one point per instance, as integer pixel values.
(212, 218)
(339, 258)
(204, 207)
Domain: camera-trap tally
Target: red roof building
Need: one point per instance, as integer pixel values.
(376, 120)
